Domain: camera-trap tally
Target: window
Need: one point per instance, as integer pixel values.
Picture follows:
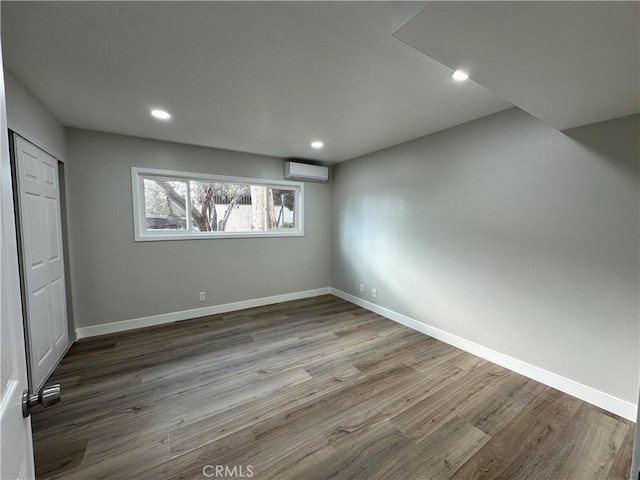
(179, 205)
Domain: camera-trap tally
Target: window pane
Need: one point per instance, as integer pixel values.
(220, 206)
(258, 208)
(164, 202)
(282, 208)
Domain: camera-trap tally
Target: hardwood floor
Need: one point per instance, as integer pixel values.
(311, 389)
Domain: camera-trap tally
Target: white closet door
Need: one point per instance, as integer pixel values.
(42, 260)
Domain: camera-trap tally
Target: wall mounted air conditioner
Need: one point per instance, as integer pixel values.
(302, 171)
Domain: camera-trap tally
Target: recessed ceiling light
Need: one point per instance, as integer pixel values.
(460, 75)
(317, 144)
(160, 114)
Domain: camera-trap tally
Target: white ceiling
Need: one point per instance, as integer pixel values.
(270, 77)
(567, 63)
(264, 77)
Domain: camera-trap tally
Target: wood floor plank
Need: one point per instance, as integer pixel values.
(497, 404)
(363, 452)
(586, 449)
(435, 410)
(54, 458)
(621, 465)
(388, 403)
(214, 427)
(438, 455)
(315, 388)
(310, 414)
(233, 449)
(128, 457)
(514, 451)
(277, 457)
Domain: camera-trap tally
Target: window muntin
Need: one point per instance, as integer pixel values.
(218, 206)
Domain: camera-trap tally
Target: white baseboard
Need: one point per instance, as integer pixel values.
(583, 392)
(92, 331)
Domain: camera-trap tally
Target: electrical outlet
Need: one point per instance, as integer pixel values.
(203, 296)
(374, 292)
(362, 287)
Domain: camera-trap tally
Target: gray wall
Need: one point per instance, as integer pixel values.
(118, 279)
(29, 118)
(507, 233)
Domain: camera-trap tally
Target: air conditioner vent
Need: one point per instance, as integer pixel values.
(303, 171)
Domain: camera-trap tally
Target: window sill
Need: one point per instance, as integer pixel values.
(212, 236)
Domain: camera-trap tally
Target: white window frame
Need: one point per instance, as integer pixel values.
(138, 174)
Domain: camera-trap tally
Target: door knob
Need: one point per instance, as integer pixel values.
(48, 396)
